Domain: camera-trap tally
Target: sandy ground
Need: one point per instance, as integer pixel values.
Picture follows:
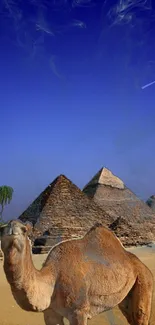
(11, 314)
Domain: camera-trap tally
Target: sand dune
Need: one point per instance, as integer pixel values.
(11, 314)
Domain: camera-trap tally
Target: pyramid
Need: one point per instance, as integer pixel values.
(63, 211)
(151, 202)
(110, 193)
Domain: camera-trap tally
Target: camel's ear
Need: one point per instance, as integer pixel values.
(29, 227)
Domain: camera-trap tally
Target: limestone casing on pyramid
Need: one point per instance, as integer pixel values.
(106, 177)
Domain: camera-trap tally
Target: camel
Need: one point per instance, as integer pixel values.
(79, 279)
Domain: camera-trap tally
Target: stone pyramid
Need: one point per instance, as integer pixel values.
(63, 211)
(110, 193)
(151, 202)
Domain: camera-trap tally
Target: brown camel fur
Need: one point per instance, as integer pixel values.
(79, 279)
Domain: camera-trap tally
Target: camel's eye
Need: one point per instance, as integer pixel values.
(24, 229)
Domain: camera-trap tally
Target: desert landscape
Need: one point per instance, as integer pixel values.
(11, 314)
(63, 211)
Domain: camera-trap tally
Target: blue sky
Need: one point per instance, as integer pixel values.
(70, 94)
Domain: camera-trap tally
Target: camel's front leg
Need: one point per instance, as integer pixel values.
(52, 318)
(78, 318)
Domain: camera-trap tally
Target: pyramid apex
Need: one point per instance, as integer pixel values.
(61, 177)
(106, 177)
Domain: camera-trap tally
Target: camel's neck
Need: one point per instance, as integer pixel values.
(32, 289)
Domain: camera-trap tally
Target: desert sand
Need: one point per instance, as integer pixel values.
(11, 314)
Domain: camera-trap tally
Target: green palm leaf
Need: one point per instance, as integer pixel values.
(6, 193)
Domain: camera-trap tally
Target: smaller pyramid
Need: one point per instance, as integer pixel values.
(106, 177)
(151, 202)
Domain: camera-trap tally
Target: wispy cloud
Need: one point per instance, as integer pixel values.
(148, 85)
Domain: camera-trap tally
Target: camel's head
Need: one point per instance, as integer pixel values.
(14, 234)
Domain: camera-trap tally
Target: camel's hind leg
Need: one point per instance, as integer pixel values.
(136, 307)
